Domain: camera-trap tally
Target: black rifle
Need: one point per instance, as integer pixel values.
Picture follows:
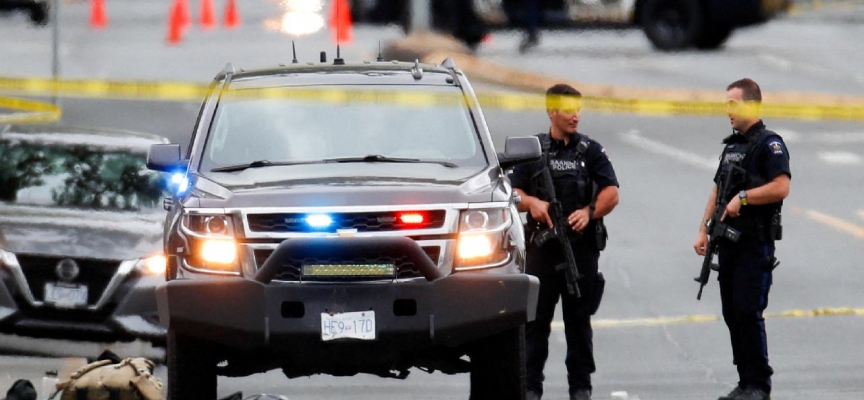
(717, 229)
(560, 226)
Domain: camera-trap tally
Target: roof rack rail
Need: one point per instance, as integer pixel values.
(448, 63)
(228, 70)
(417, 71)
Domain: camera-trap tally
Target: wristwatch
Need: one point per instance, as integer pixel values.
(743, 196)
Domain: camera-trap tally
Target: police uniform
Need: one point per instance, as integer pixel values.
(575, 174)
(745, 274)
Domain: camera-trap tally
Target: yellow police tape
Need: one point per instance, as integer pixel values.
(28, 111)
(178, 91)
(657, 321)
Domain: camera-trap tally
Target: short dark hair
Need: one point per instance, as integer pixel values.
(554, 94)
(749, 89)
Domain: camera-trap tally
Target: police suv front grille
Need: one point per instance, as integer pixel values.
(291, 270)
(39, 270)
(361, 221)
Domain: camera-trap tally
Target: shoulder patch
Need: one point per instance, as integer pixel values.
(776, 147)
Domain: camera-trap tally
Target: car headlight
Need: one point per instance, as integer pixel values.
(212, 244)
(482, 238)
(209, 225)
(218, 251)
(154, 265)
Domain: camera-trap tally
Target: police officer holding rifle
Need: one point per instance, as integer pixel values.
(741, 223)
(565, 195)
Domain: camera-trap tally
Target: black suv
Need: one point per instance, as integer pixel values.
(343, 219)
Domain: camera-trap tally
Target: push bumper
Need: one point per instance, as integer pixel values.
(257, 314)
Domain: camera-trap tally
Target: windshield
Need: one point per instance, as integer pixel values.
(77, 176)
(297, 127)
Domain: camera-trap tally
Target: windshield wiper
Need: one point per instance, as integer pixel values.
(385, 159)
(259, 164)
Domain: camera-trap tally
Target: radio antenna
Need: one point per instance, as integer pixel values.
(338, 60)
(294, 50)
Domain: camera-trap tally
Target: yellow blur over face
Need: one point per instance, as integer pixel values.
(156, 265)
(219, 251)
(474, 246)
(742, 113)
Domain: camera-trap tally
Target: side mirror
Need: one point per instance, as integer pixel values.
(518, 150)
(164, 157)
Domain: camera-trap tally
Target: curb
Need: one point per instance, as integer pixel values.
(434, 48)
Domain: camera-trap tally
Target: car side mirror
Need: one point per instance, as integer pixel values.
(165, 158)
(518, 150)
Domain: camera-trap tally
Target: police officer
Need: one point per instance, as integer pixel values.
(753, 209)
(579, 167)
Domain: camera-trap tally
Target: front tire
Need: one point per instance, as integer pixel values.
(39, 14)
(191, 368)
(672, 24)
(498, 366)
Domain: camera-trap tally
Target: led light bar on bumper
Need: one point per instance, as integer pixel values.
(482, 241)
(211, 243)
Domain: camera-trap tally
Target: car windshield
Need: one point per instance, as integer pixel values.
(77, 176)
(379, 125)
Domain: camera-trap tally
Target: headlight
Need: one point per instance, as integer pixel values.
(155, 265)
(209, 225)
(482, 238)
(218, 251)
(211, 241)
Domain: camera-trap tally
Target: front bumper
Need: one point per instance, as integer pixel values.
(132, 316)
(257, 314)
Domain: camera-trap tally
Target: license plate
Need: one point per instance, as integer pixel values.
(67, 296)
(351, 325)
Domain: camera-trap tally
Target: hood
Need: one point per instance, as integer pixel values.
(369, 185)
(74, 233)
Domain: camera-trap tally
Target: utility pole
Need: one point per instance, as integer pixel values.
(421, 15)
(55, 45)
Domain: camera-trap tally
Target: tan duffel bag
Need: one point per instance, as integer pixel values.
(131, 379)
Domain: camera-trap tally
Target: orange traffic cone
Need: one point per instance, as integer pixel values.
(98, 16)
(175, 23)
(340, 21)
(208, 16)
(185, 15)
(232, 16)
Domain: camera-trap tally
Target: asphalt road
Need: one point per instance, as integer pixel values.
(665, 166)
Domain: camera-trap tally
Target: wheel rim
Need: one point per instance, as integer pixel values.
(671, 22)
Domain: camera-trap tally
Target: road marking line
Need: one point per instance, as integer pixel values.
(633, 137)
(695, 319)
(791, 136)
(839, 157)
(839, 224)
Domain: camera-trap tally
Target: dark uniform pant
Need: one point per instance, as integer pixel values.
(577, 315)
(745, 278)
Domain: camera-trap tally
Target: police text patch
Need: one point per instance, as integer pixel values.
(776, 147)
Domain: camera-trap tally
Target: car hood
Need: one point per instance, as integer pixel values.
(368, 186)
(75, 233)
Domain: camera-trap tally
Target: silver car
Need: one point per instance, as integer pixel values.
(80, 234)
